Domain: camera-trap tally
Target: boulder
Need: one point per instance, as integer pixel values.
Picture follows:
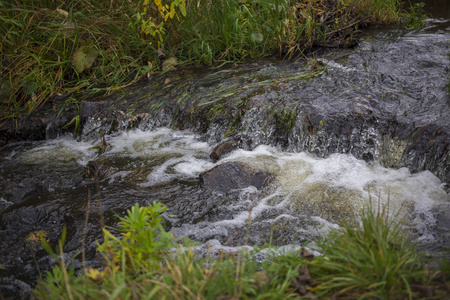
(234, 175)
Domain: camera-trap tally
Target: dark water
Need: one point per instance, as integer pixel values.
(378, 127)
(438, 9)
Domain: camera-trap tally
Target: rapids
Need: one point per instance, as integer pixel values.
(371, 126)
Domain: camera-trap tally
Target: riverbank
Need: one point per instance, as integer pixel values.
(373, 258)
(56, 48)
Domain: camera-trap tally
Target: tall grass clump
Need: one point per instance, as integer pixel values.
(233, 30)
(52, 47)
(372, 259)
(379, 11)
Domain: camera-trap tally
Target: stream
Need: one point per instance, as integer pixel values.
(372, 125)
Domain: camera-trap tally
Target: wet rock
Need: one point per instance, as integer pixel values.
(3, 139)
(14, 289)
(97, 169)
(227, 146)
(368, 104)
(233, 175)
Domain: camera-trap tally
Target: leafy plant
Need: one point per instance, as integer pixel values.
(143, 242)
(151, 22)
(416, 16)
(370, 259)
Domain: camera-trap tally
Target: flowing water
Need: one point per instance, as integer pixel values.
(318, 176)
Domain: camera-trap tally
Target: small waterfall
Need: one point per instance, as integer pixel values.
(371, 124)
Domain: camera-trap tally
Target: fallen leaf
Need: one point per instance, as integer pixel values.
(62, 12)
(261, 278)
(169, 63)
(160, 53)
(306, 254)
(34, 238)
(83, 58)
(304, 275)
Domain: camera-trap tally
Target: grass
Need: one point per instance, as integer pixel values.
(53, 47)
(372, 259)
(56, 47)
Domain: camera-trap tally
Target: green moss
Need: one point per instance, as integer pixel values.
(287, 118)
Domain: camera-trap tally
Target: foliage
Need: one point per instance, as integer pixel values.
(415, 18)
(145, 263)
(52, 47)
(143, 242)
(372, 259)
(62, 47)
(151, 20)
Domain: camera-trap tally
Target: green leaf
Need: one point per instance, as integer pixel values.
(182, 10)
(75, 120)
(28, 86)
(64, 235)
(47, 248)
(83, 58)
(257, 37)
(5, 91)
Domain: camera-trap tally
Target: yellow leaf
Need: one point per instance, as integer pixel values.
(33, 238)
(126, 235)
(62, 12)
(83, 58)
(94, 274)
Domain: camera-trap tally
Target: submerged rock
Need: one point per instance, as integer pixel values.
(98, 169)
(234, 175)
(229, 145)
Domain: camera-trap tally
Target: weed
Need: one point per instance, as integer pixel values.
(370, 259)
(52, 47)
(416, 16)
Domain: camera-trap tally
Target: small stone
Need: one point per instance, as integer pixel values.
(229, 145)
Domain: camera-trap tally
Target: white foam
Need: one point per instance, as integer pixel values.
(348, 181)
(335, 65)
(3, 201)
(163, 140)
(303, 186)
(115, 176)
(59, 152)
(213, 247)
(192, 167)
